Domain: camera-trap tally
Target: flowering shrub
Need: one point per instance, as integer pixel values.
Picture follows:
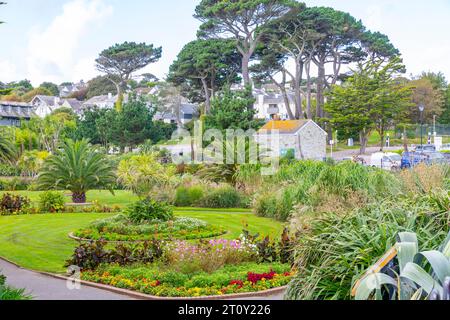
(120, 228)
(14, 205)
(51, 202)
(163, 282)
(255, 277)
(208, 256)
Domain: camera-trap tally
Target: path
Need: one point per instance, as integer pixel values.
(339, 155)
(43, 287)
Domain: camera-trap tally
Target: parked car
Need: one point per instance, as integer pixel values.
(436, 158)
(425, 148)
(412, 159)
(386, 161)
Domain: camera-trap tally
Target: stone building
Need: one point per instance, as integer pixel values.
(305, 137)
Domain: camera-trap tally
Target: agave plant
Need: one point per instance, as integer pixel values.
(421, 274)
(78, 168)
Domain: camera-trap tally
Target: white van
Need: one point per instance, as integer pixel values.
(387, 161)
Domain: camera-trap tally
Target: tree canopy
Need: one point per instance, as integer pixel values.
(206, 66)
(122, 60)
(371, 99)
(243, 20)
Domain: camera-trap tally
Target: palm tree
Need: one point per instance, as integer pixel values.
(78, 168)
(8, 152)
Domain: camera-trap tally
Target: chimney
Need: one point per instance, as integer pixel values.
(56, 102)
(109, 96)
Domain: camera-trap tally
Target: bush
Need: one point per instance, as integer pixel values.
(8, 170)
(14, 204)
(188, 196)
(322, 185)
(223, 197)
(14, 184)
(51, 202)
(334, 251)
(7, 293)
(149, 210)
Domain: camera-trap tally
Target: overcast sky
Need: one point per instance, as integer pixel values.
(58, 40)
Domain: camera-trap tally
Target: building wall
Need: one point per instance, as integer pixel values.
(313, 142)
(310, 143)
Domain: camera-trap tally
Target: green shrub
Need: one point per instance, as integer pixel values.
(317, 184)
(8, 170)
(188, 196)
(14, 204)
(149, 210)
(51, 202)
(14, 184)
(334, 250)
(11, 294)
(223, 197)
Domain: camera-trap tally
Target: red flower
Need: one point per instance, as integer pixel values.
(255, 277)
(238, 283)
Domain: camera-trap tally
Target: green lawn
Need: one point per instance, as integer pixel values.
(40, 242)
(120, 197)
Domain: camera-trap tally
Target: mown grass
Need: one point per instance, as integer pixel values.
(120, 197)
(40, 242)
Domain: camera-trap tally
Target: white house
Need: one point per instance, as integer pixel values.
(45, 105)
(305, 137)
(271, 105)
(187, 113)
(102, 102)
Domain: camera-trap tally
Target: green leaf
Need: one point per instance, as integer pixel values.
(439, 263)
(406, 253)
(419, 276)
(373, 282)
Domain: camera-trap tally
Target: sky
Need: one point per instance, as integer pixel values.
(59, 40)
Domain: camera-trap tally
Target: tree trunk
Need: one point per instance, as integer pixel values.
(382, 140)
(363, 140)
(320, 90)
(245, 69)
(207, 96)
(405, 139)
(308, 89)
(298, 94)
(79, 197)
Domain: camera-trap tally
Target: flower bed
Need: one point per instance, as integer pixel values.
(120, 228)
(158, 281)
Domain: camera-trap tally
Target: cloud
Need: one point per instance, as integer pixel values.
(374, 20)
(7, 71)
(51, 52)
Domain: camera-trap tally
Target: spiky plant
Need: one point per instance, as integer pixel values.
(422, 274)
(78, 168)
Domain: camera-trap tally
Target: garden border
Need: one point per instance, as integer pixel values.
(143, 296)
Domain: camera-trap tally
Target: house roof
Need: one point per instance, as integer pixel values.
(48, 100)
(16, 110)
(75, 104)
(284, 127)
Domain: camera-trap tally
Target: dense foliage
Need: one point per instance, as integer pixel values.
(78, 168)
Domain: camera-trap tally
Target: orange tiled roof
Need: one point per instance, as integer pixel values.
(287, 126)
